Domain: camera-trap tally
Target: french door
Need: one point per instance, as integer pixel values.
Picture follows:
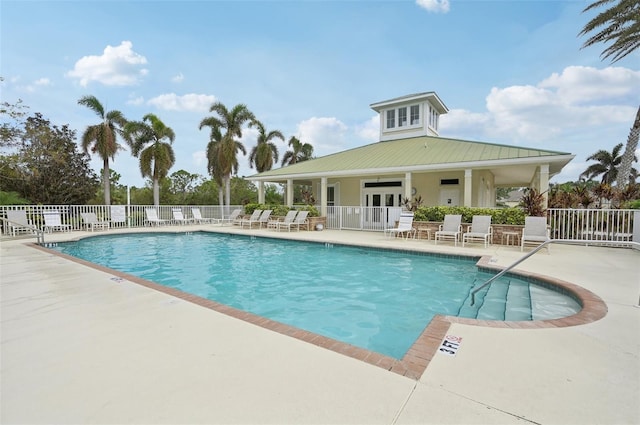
(380, 208)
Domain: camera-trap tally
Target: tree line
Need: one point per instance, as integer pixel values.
(41, 163)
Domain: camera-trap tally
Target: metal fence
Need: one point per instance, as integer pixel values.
(575, 224)
(362, 218)
(593, 224)
(118, 216)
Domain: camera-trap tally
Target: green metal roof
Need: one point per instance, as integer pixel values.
(410, 153)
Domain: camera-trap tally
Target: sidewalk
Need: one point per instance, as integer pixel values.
(80, 347)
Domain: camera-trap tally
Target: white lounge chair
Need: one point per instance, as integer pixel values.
(480, 230)
(118, 216)
(53, 221)
(234, 218)
(263, 220)
(405, 227)
(179, 218)
(152, 217)
(91, 221)
(288, 219)
(535, 232)
(198, 218)
(18, 222)
(450, 229)
(255, 216)
(299, 221)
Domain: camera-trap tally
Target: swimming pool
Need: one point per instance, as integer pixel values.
(376, 299)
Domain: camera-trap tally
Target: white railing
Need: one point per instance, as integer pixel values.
(575, 224)
(362, 218)
(118, 216)
(592, 224)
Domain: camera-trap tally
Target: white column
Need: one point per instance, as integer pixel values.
(544, 184)
(289, 193)
(468, 186)
(261, 192)
(407, 186)
(323, 197)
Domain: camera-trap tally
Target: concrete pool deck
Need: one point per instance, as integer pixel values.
(80, 345)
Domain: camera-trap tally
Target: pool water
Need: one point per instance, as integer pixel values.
(376, 299)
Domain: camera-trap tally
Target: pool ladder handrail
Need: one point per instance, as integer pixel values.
(634, 245)
(38, 232)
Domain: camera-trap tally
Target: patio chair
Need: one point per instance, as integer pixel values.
(480, 230)
(198, 218)
(535, 232)
(450, 229)
(178, 217)
(263, 220)
(288, 219)
(53, 221)
(405, 227)
(299, 221)
(234, 218)
(255, 216)
(118, 216)
(152, 217)
(18, 222)
(91, 221)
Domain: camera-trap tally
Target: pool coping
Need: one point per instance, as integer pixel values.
(419, 355)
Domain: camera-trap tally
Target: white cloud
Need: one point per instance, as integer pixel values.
(117, 66)
(583, 84)
(40, 82)
(327, 135)
(178, 78)
(188, 102)
(463, 122)
(135, 100)
(577, 98)
(435, 6)
(199, 159)
(249, 138)
(370, 130)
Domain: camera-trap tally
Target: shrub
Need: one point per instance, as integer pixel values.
(12, 198)
(498, 216)
(532, 202)
(250, 208)
(313, 211)
(276, 210)
(633, 205)
(279, 210)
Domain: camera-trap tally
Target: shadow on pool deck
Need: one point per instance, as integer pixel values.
(86, 347)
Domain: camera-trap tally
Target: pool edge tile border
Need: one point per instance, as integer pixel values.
(419, 355)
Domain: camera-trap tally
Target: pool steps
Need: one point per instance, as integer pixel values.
(491, 305)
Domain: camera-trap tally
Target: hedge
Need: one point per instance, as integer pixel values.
(498, 215)
(280, 210)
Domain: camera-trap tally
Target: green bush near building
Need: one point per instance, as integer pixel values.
(498, 215)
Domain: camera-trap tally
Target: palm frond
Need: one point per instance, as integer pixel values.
(618, 25)
(92, 103)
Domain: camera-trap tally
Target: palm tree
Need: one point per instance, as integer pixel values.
(619, 24)
(265, 152)
(102, 138)
(213, 146)
(150, 140)
(607, 165)
(299, 152)
(226, 152)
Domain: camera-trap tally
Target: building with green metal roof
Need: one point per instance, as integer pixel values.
(411, 160)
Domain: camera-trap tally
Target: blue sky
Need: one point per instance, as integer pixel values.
(509, 71)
